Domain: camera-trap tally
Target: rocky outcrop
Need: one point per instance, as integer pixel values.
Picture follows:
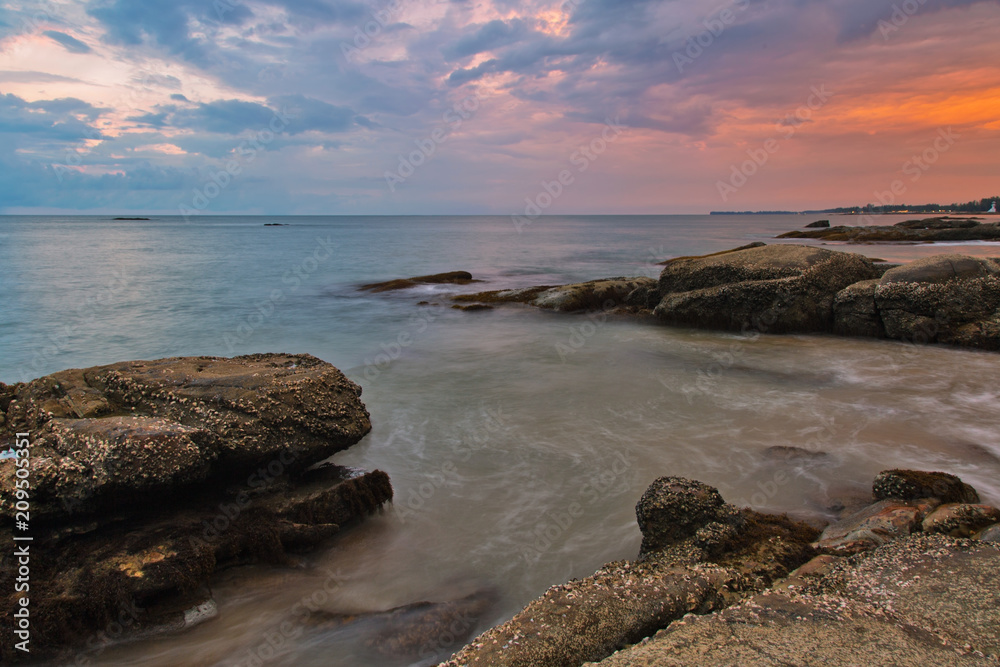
(699, 595)
(945, 298)
(927, 230)
(146, 477)
(819, 224)
(450, 278)
(608, 294)
(719, 555)
(774, 289)
(921, 600)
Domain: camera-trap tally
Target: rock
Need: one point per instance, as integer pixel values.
(913, 231)
(873, 526)
(149, 476)
(959, 519)
(413, 632)
(790, 454)
(989, 534)
(818, 224)
(855, 312)
(920, 600)
(452, 277)
(605, 295)
(940, 269)
(916, 484)
(946, 298)
(473, 307)
(773, 630)
(196, 418)
(674, 508)
(773, 289)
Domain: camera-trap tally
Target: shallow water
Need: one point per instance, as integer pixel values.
(517, 441)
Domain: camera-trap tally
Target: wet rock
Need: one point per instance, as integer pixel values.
(111, 436)
(417, 631)
(473, 307)
(855, 312)
(946, 298)
(989, 534)
(595, 295)
(960, 520)
(772, 289)
(873, 526)
(674, 508)
(818, 224)
(452, 278)
(149, 476)
(915, 484)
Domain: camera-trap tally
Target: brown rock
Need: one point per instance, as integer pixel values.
(452, 277)
(960, 520)
(915, 484)
(873, 526)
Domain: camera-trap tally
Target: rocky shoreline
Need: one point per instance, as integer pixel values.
(793, 289)
(927, 230)
(148, 477)
(911, 579)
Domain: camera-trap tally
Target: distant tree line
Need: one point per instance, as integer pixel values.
(974, 206)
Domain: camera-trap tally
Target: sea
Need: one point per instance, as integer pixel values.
(518, 441)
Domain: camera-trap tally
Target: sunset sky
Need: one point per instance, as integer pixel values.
(446, 106)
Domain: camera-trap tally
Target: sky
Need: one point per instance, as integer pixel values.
(509, 107)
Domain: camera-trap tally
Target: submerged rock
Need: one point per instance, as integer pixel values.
(452, 277)
(819, 224)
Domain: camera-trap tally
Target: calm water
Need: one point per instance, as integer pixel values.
(518, 441)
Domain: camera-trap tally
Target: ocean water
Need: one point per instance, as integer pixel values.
(518, 441)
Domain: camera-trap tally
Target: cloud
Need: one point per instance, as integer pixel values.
(47, 119)
(71, 44)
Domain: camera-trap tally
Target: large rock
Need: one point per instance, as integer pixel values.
(922, 600)
(945, 298)
(772, 289)
(114, 435)
(149, 476)
(855, 312)
(674, 508)
(916, 484)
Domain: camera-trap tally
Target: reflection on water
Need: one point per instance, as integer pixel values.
(516, 465)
